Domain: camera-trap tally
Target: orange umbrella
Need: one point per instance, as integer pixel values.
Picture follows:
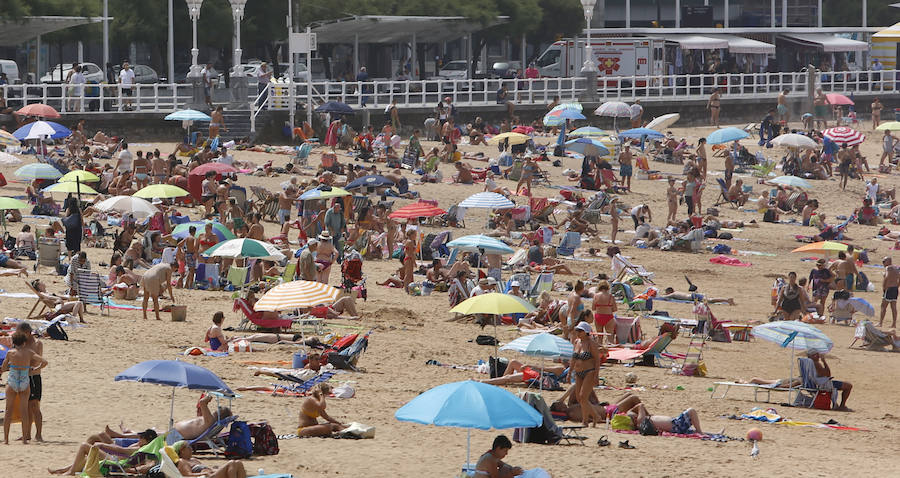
(823, 246)
(38, 109)
(417, 210)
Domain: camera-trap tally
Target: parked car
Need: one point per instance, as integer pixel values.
(143, 74)
(454, 70)
(57, 74)
(182, 70)
(11, 69)
(504, 69)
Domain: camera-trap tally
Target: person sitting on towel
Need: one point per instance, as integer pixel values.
(490, 464)
(311, 409)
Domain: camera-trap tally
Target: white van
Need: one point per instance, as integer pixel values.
(11, 69)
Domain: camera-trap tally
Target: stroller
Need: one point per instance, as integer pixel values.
(351, 273)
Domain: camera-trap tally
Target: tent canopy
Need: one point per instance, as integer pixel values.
(16, 32)
(738, 44)
(825, 42)
(394, 29)
(697, 42)
(891, 33)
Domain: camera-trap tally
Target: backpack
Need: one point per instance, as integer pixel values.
(264, 440)
(239, 444)
(56, 332)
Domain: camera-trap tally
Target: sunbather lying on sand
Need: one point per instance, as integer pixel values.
(673, 294)
(311, 409)
(624, 404)
(518, 372)
(105, 447)
(686, 423)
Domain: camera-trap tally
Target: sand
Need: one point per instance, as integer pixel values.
(80, 396)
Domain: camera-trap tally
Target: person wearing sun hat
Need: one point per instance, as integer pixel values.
(586, 360)
(325, 256)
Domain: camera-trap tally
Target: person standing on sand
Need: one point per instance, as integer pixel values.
(888, 143)
(409, 258)
(37, 386)
(191, 251)
(890, 284)
(877, 107)
(672, 201)
(845, 271)
(783, 114)
(714, 104)
(306, 263)
(20, 362)
(154, 283)
(625, 168)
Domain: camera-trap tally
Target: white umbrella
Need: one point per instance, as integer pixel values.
(614, 109)
(137, 207)
(487, 200)
(793, 140)
(662, 122)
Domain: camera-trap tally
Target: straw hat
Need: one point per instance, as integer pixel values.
(325, 236)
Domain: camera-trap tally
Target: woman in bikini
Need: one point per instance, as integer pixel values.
(311, 409)
(792, 299)
(218, 121)
(575, 308)
(604, 308)
(713, 105)
(409, 258)
(586, 360)
(141, 170)
(20, 362)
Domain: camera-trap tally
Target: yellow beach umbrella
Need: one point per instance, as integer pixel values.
(890, 126)
(514, 138)
(822, 246)
(79, 175)
(493, 303)
(69, 187)
(161, 191)
(299, 294)
(11, 203)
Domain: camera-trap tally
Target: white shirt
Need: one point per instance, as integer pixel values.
(262, 77)
(636, 110)
(204, 73)
(78, 80)
(125, 159)
(636, 211)
(476, 291)
(126, 78)
(227, 159)
(872, 191)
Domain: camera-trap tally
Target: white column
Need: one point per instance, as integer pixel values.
(524, 53)
(80, 52)
(237, 12)
(772, 13)
(677, 13)
(865, 13)
(171, 47)
(105, 34)
(37, 60)
(355, 53)
(413, 59)
(784, 13)
(819, 14)
(469, 56)
(627, 13)
(727, 14)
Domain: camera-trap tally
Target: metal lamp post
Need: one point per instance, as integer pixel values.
(589, 69)
(239, 84)
(198, 99)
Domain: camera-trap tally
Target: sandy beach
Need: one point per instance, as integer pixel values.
(80, 396)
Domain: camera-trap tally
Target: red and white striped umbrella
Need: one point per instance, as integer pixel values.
(844, 135)
(417, 210)
(299, 294)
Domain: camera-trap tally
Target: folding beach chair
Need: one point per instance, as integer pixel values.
(628, 330)
(301, 387)
(237, 276)
(543, 283)
(48, 252)
(46, 304)
(757, 390)
(873, 339)
(723, 194)
(653, 356)
(625, 267)
(88, 287)
(210, 437)
(301, 156)
(568, 244)
(811, 384)
(254, 317)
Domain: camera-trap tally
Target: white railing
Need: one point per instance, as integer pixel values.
(258, 104)
(482, 92)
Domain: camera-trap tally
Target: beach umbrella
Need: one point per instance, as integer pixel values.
(568, 106)
(11, 203)
(334, 107)
(42, 129)
(587, 147)
(37, 171)
(188, 115)
(487, 200)
(38, 109)
(480, 243)
(641, 133)
(514, 138)
(844, 135)
(541, 345)
(469, 405)
(614, 109)
(218, 168)
(795, 335)
(183, 230)
(7, 139)
(324, 193)
(370, 181)
(79, 175)
(70, 187)
(822, 246)
(175, 374)
(161, 191)
(794, 140)
(726, 135)
(493, 303)
(664, 121)
(416, 210)
(862, 305)
(298, 294)
(838, 99)
(559, 117)
(588, 132)
(137, 207)
(792, 181)
(243, 249)
(890, 126)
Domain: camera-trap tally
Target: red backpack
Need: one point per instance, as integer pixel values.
(264, 440)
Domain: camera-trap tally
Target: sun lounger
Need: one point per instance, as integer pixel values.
(210, 437)
(303, 387)
(873, 339)
(88, 286)
(568, 244)
(757, 389)
(256, 318)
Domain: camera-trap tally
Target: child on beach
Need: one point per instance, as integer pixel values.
(19, 362)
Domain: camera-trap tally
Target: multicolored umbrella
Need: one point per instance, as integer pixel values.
(7, 139)
(568, 106)
(218, 168)
(37, 171)
(323, 193)
(161, 191)
(587, 147)
(188, 115)
(70, 187)
(42, 129)
(244, 248)
(588, 132)
(487, 200)
(299, 294)
(822, 246)
(559, 117)
(844, 135)
(480, 243)
(541, 345)
(183, 230)
(417, 210)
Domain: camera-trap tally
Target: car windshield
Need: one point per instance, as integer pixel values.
(455, 66)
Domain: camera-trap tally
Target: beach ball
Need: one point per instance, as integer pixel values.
(754, 434)
(630, 377)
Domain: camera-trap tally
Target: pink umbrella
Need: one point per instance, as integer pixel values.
(844, 135)
(38, 109)
(218, 168)
(838, 99)
(523, 129)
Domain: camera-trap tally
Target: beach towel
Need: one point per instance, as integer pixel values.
(697, 436)
(770, 415)
(729, 261)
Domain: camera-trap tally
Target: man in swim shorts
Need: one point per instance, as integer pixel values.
(890, 282)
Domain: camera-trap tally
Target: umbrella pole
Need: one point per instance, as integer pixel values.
(791, 384)
(468, 446)
(541, 378)
(172, 410)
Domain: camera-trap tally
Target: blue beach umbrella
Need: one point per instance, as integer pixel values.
(641, 132)
(487, 200)
(334, 107)
(559, 117)
(589, 132)
(587, 147)
(726, 135)
(175, 374)
(541, 345)
(480, 242)
(188, 115)
(468, 405)
(795, 335)
(183, 230)
(568, 106)
(370, 181)
(42, 129)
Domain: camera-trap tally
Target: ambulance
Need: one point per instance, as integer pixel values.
(614, 58)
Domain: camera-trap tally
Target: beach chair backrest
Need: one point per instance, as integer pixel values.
(167, 467)
(694, 351)
(544, 283)
(290, 270)
(568, 244)
(48, 251)
(88, 287)
(237, 275)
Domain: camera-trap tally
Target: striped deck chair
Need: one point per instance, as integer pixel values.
(811, 384)
(210, 438)
(301, 387)
(873, 339)
(542, 209)
(690, 361)
(568, 244)
(88, 287)
(544, 283)
(628, 330)
(652, 356)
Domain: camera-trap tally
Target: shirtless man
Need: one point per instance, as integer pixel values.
(256, 229)
(890, 283)
(672, 200)
(436, 274)
(625, 168)
(714, 104)
(671, 293)
(194, 427)
(491, 465)
(845, 270)
(285, 202)
(159, 168)
(208, 194)
(782, 108)
(154, 281)
(463, 174)
(736, 192)
(686, 423)
(191, 251)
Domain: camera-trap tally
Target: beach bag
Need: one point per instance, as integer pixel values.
(239, 346)
(621, 422)
(264, 440)
(822, 400)
(769, 216)
(862, 282)
(726, 236)
(358, 431)
(497, 366)
(647, 427)
(239, 443)
(155, 472)
(56, 332)
(486, 340)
